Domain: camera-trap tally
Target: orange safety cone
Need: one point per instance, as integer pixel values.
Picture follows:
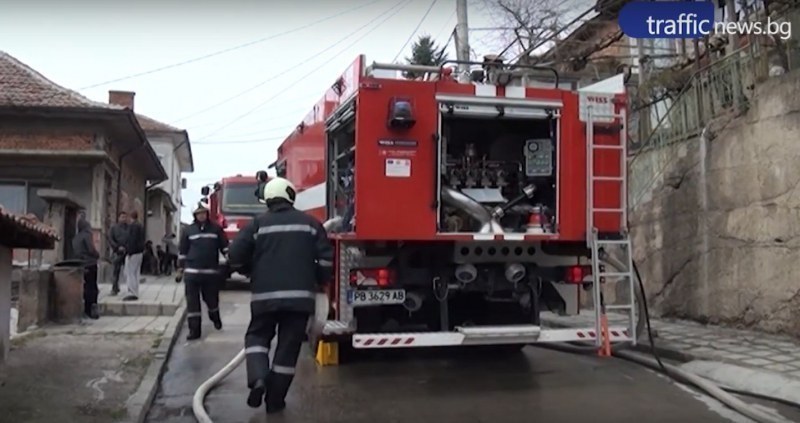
(605, 347)
(605, 340)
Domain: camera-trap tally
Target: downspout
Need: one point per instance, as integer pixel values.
(119, 175)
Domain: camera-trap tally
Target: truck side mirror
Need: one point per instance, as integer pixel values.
(183, 183)
(261, 176)
(205, 191)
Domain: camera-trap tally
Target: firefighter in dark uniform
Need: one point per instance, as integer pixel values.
(200, 246)
(289, 257)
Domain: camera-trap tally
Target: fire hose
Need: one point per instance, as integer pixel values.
(619, 351)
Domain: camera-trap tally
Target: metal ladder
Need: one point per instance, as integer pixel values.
(599, 245)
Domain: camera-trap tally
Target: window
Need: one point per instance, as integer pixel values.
(241, 199)
(21, 198)
(13, 197)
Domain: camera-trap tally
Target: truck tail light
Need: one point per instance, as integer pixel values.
(380, 277)
(576, 274)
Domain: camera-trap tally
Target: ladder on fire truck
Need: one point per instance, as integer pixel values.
(603, 245)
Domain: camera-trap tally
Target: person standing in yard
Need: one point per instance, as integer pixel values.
(134, 251)
(200, 247)
(117, 240)
(84, 250)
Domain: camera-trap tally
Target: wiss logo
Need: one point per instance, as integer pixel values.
(601, 100)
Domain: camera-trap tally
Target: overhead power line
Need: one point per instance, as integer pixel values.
(411, 37)
(302, 78)
(290, 68)
(593, 8)
(236, 47)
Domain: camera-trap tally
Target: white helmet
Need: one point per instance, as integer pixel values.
(279, 188)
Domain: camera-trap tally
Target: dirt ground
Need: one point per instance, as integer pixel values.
(62, 377)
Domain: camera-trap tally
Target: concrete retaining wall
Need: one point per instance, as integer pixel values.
(717, 235)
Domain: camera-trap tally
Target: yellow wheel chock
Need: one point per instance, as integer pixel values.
(327, 353)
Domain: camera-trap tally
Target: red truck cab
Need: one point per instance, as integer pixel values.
(232, 204)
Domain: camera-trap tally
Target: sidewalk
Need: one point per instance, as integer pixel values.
(158, 296)
(95, 371)
(688, 341)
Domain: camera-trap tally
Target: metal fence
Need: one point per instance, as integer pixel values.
(719, 91)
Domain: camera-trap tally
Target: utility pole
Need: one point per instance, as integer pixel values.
(462, 40)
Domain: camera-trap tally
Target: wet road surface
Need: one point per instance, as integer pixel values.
(420, 386)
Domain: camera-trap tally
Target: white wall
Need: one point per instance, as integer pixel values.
(164, 148)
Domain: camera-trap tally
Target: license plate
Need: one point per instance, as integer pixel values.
(376, 297)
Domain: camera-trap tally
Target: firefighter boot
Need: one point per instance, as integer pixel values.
(216, 319)
(257, 393)
(275, 407)
(194, 328)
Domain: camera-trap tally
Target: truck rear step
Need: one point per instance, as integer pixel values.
(483, 335)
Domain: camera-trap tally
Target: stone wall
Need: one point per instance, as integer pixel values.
(34, 299)
(717, 235)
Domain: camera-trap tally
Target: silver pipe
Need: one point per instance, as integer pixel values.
(461, 201)
(413, 301)
(466, 273)
(332, 223)
(514, 272)
(401, 67)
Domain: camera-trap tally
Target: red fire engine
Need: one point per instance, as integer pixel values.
(460, 207)
(232, 204)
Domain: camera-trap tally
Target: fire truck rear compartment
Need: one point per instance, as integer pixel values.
(452, 284)
(498, 175)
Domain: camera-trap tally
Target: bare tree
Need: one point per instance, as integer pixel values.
(522, 24)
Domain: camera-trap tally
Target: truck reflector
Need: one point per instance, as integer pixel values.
(576, 274)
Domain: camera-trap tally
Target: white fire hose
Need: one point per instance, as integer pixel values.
(314, 330)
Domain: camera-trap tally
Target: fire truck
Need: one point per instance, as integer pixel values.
(232, 205)
(465, 202)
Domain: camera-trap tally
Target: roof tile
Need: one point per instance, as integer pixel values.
(152, 125)
(28, 223)
(22, 86)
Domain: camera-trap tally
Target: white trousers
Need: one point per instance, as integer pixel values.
(133, 272)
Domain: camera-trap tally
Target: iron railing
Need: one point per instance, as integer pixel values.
(718, 91)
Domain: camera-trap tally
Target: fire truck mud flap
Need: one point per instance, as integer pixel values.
(483, 335)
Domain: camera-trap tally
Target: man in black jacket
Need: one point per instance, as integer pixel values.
(83, 248)
(289, 257)
(134, 252)
(117, 239)
(200, 246)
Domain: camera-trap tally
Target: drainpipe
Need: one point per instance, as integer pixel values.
(119, 175)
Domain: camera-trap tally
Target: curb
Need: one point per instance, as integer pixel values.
(139, 403)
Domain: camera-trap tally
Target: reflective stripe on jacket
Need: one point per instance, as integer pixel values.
(200, 247)
(290, 256)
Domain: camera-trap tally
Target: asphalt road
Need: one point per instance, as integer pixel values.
(420, 386)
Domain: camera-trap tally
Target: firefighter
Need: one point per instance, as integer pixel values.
(200, 246)
(289, 258)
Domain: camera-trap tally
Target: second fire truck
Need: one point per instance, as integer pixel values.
(232, 205)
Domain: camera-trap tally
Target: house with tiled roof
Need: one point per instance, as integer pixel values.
(62, 153)
(173, 148)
